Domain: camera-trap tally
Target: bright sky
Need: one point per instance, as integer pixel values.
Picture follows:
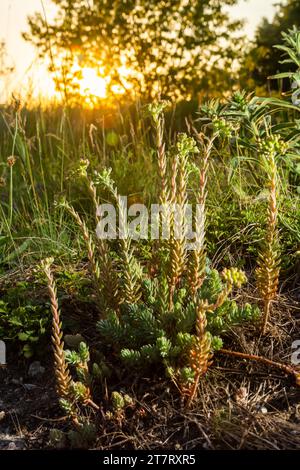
(13, 20)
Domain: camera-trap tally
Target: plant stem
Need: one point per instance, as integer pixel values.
(10, 195)
(267, 309)
(287, 369)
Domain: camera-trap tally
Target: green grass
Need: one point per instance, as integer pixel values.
(48, 144)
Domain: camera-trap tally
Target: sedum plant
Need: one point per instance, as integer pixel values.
(173, 313)
(185, 307)
(267, 272)
(263, 147)
(183, 338)
(71, 393)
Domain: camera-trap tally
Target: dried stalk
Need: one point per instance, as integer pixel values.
(287, 369)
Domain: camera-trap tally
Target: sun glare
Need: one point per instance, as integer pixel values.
(91, 84)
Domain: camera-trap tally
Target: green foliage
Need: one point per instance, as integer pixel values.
(120, 401)
(23, 321)
(264, 57)
(186, 145)
(186, 375)
(76, 358)
(144, 336)
(80, 391)
(73, 283)
(80, 361)
(231, 315)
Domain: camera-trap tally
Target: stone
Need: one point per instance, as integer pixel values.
(30, 387)
(36, 369)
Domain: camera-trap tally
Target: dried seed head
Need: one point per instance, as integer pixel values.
(11, 160)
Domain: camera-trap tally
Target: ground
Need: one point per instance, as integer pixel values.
(240, 405)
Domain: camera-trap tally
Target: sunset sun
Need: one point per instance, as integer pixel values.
(91, 84)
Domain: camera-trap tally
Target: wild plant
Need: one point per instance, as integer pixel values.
(197, 258)
(90, 248)
(291, 51)
(266, 147)
(110, 287)
(103, 274)
(201, 351)
(71, 393)
(175, 322)
(175, 315)
(177, 243)
(267, 272)
(130, 269)
(62, 373)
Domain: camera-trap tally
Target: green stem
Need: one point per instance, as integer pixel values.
(10, 217)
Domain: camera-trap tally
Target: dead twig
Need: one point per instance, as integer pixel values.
(287, 369)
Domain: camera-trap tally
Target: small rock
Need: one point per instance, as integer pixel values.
(30, 387)
(2, 415)
(12, 446)
(17, 381)
(36, 369)
(263, 410)
(73, 341)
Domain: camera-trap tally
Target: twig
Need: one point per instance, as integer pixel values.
(279, 365)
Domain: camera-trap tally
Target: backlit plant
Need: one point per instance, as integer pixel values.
(185, 307)
(267, 272)
(71, 393)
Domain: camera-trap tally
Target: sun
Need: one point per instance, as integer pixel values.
(91, 83)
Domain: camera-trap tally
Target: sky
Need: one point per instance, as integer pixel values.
(13, 21)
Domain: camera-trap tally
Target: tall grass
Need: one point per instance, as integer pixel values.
(48, 144)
